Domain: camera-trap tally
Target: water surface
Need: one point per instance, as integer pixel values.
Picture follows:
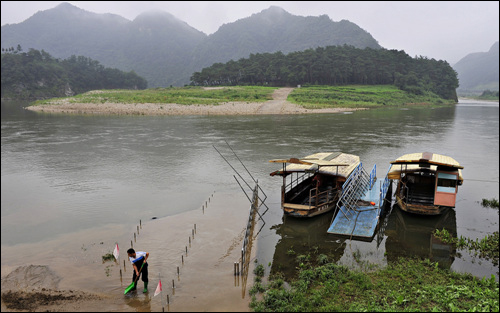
(79, 179)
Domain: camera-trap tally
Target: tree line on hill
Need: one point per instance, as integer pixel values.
(166, 50)
(36, 74)
(335, 65)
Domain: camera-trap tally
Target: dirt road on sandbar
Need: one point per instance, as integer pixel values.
(278, 105)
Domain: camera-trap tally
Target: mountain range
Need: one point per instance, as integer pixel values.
(166, 50)
(478, 71)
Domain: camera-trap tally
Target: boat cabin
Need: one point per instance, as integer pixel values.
(312, 185)
(427, 183)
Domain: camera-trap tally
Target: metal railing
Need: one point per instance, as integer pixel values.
(248, 240)
(383, 189)
(373, 176)
(353, 189)
(298, 180)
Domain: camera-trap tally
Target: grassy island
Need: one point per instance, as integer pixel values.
(309, 97)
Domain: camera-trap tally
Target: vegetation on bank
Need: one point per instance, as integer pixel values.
(336, 66)
(310, 97)
(485, 248)
(179, 95)
(490, 203)
(489, 95)
(360, 96)
(404, 285)
(36, 75)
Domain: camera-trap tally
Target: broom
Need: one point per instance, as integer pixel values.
(131, 286)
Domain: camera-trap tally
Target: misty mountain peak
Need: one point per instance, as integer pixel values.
(494, 48)
(161, 21)
(66, 6)
(69, 9)
(155, 14)
(274, 10)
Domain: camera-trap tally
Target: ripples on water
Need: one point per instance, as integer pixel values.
(62, 174)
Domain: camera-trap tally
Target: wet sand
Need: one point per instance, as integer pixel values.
(67, 274)
(279, 105)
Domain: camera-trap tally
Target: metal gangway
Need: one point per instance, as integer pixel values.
(354, 188)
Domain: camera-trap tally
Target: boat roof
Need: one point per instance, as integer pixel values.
(415, 162)
(330, 163)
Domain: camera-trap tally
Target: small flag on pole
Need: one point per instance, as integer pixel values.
(158, 289)
(116, 252)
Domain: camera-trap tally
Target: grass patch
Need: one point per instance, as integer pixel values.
(405, 285)
(360, 96)
(179, 95)
(108, 257)
(493, 203)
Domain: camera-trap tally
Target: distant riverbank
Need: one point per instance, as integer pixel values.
(237, 100)
(278, 105)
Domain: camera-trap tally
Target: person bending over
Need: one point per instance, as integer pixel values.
(138, 260)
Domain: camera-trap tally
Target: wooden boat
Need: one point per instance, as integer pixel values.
(427, 183)
(312, 185)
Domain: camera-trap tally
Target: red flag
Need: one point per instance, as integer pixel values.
(116, 252)
(158, 289)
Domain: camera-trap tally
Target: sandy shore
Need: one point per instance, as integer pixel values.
(65, 276)
(279, 105)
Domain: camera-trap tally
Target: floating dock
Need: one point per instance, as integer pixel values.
(360, 206)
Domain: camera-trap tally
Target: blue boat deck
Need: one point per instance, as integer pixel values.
(362, 222)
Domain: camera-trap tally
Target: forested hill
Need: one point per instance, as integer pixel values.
(273, 30)
(165, 50)
(36, 75)
(336, 65)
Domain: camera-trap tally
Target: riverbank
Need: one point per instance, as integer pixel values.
(278, 105)
(405, 284)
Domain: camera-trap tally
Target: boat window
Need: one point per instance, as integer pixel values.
(447, 182)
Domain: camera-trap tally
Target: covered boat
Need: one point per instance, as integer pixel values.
(427, 183)
(312, 185)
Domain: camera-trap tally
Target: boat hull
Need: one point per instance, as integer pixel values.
(304, 211)
(421, 208)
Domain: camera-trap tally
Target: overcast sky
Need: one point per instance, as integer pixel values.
(447, 30)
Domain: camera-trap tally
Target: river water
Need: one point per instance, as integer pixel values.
(81, 180)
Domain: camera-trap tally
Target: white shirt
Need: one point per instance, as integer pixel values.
(139, 255)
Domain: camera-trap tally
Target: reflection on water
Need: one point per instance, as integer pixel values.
(63, 174)
(412, 235)
(304, 238)
(138, 304)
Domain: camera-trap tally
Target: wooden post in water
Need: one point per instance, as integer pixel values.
(140, 223)
(137, 230)
(135, 239)
(124, 266)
